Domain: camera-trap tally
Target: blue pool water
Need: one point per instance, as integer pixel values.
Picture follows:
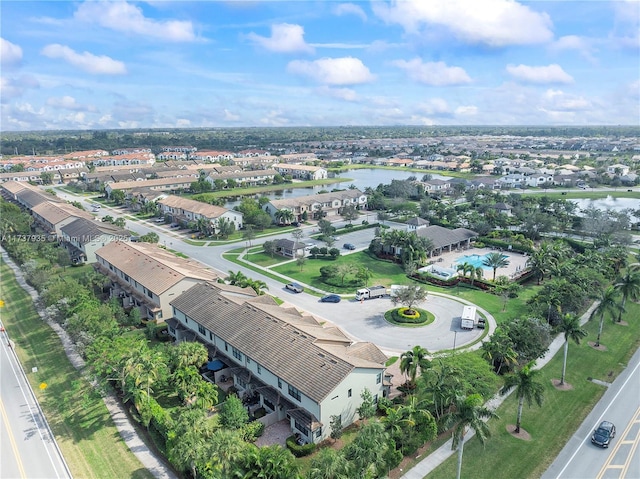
(475, 260)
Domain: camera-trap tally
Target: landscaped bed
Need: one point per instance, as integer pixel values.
(399, 317)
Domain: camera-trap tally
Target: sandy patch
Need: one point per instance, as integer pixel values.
(561, 387)
(524, 435)
(602, 347)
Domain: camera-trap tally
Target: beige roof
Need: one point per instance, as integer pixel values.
(154, 267)
(297, 167)
(313, 199)
(127, 185)
(54, 213)
(197, 207)
(292, 346)
(15, 186)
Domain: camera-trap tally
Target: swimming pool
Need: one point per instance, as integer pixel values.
(476, 260)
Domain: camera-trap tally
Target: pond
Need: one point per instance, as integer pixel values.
(361, 178)
(608, 203)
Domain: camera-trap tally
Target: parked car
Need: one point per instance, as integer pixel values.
(603, 435)
(295, 287)
(330, 298)
(350, 246)
(159, 220)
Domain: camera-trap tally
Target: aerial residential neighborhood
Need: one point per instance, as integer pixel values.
(319, 240)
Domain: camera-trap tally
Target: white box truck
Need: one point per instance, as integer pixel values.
(468, 318)
(370, 293)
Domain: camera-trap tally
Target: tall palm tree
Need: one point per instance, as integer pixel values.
(329, 464)
(440, 385)
(541, 261)
(570, 327)
(413, 360)
(608, 303)
(468, 412)
(494, 261)
(527, 388)
(628, 285)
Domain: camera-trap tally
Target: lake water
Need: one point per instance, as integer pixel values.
(608, 203)
(361, 178)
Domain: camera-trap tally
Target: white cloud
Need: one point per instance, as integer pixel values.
(333, 71)
(467, 110)
(274, 118)
(124, 17)
(68, 103)
(546, 74)
(575, 43)
(96, 65)
(627, 24)
(284, 37)
(15, 87)
(434, 106)
(557, 100)
(183, 123)
(433, 73)
(346, 94)
(495, 23)
(10, 53)
(350, 9)
(228, 116)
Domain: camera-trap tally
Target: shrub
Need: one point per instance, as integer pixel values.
(297, 450)
(410, 314)
(252, 431)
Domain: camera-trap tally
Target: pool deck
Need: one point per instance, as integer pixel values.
(517, 261)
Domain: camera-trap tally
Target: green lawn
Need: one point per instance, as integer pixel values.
(592, 194)
(562, 412)
(78, 417)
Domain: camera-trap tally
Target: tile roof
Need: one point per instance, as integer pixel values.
(314, 199)
(197, 207)
(54, 213)
(154, 267)
(442, 237)
(293, 346)
(85, 230)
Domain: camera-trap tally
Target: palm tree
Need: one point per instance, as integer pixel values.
(541, 261)
(329, 464)
(468, 412)
(570, 326)
(495, 260)
(440, 385)
(608, 303)
(629, 286)
(527, 388)
(412, 360)
(284, 216)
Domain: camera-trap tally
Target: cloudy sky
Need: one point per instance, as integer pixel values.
(167, 64)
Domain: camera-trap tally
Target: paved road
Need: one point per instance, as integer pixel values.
(27, 446)
(621, 405)
(361, 321)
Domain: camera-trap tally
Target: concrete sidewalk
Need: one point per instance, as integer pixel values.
(121, 420)
(433, 460)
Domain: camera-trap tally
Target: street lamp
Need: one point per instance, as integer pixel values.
(455, 336)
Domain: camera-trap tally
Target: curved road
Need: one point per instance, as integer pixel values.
(27, 447)
(361, 321)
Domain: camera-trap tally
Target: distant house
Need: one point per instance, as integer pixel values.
(538, 180)
(417, 223)
(184, 210)
(618, 169)
(331, 204)
(503, 208)
(444, 239)
(301, 172)
(289, 248)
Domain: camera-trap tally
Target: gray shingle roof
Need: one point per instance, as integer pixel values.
(292, 346)
(442, 237)
(85, 230)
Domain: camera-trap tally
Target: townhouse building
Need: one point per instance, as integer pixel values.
(243, 177)
(329, 204)
(298, 370)
(301, 172)
(184, 210)
(148, 277)
(52, 216)
(161, 184)
(126, 159)
(26, 195)
(83, 237)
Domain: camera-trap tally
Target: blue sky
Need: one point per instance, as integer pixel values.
(168, 64)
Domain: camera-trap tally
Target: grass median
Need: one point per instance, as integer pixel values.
(77, 415)
(562, 412)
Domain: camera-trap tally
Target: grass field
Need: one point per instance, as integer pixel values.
(562, 412)
(78, 417)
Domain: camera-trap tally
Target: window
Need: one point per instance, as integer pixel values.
(226, 346)
(279, 383)
(210, 335)
(248, 360)
(149, 293)
(375, 399)
(301, 428)
(201, 329)
(378, 378)
(236, 354)
(319, 432)
(126, 278)
(349, 393)
(159, 315)
(259, 369)
(294, 393)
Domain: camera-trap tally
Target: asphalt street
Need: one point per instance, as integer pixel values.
(580, 459)
(27, 447)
